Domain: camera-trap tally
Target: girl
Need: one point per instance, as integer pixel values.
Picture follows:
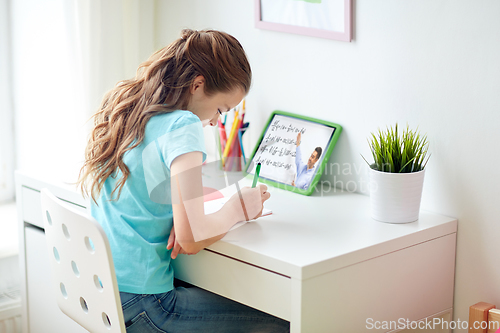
(143, 171)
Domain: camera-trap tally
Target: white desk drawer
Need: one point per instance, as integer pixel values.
(239, 281)
(32, 206)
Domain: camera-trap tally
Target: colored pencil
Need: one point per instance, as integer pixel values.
(240, 134)
(230, 140)
(256, 175)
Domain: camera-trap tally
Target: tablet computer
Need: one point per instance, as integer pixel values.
(293, 151)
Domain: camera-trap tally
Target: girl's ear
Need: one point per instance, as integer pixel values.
(198, 82)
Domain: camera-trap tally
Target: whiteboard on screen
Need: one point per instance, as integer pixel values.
(278, 152)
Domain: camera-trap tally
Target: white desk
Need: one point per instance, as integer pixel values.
(320, 262)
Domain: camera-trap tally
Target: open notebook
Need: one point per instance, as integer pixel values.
(214, 205)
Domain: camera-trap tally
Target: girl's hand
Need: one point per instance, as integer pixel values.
(175, 246)
(248, 203)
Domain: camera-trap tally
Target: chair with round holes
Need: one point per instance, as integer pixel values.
(82, 267)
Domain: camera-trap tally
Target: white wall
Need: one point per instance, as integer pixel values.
(6, 119)
(66, 55)
(429, 63)
(50, 132)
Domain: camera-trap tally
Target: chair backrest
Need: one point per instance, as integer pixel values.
(82, 267)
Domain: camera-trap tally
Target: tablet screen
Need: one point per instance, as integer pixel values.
(293, 149)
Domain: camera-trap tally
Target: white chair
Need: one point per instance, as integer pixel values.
(82, 267)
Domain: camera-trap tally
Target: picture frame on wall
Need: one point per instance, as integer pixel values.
(330, 19)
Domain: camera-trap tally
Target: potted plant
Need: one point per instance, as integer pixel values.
(397, 174)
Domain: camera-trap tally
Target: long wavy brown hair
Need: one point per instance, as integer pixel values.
(162, 84)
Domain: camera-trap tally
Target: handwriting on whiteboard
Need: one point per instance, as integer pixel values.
(278, 126)
(276, 164)
(277, 149)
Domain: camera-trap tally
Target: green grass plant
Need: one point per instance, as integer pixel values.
(398, 152)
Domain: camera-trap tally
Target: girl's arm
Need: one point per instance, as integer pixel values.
(298, 155)
(193, 229)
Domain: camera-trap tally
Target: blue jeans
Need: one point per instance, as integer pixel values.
(194, 310)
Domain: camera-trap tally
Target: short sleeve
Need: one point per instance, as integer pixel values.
(184, 136)
(171, 135)
(298, 157)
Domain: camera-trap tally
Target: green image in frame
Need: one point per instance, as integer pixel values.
(279, 150)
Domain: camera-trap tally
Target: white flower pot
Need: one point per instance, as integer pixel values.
(395, 197)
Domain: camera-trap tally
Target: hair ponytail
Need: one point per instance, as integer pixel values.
(161, 85)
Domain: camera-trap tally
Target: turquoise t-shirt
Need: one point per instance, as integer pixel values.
(138, 224)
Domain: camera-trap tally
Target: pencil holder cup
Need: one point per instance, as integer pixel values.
(233, 158)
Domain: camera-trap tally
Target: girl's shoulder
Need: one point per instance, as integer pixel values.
(172, 120)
